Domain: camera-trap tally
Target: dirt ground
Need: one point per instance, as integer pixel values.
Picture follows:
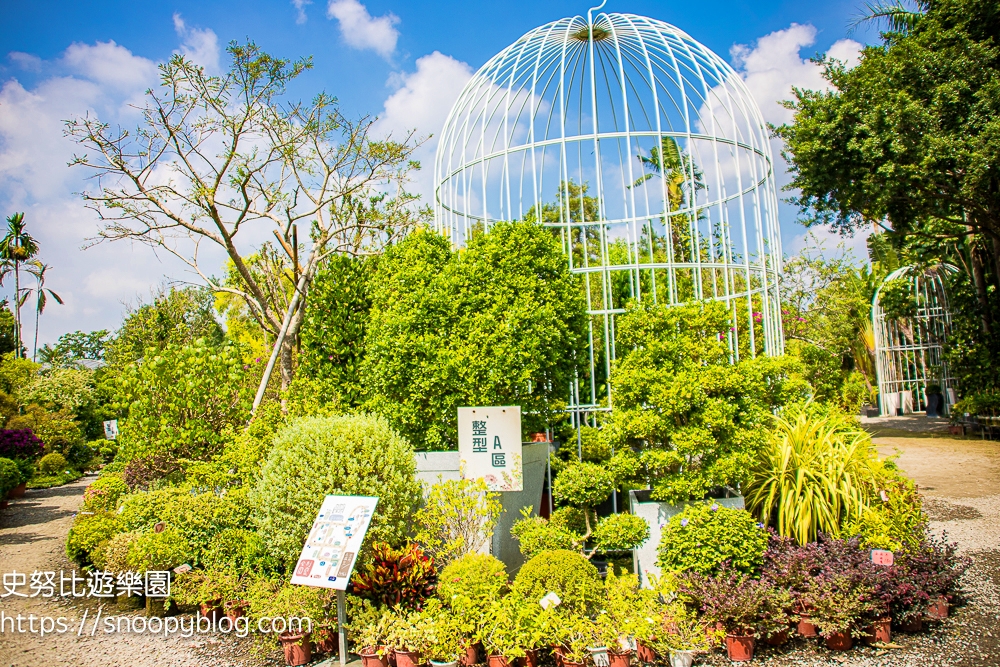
(959, 477)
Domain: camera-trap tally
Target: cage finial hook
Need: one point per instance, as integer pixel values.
(590, 13)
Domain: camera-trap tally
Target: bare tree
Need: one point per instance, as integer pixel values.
(215, 156)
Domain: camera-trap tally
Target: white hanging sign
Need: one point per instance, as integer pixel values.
(332, 547)
(489, 446)
(111, 429)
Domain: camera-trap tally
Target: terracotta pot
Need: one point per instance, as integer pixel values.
(18, 490)
(212, 610)
(236, 609)
(644, 654)
(408, 658)
(297, 647)
(739, 647)
(777, 639)
(879, 632)
(805, 627)
(532, 658)
(471, 656)
(497, 660)
(937, 610)
(371, 658)
(839, 641)
(326, 640)
(3, 504)
(619, 658)
(558, 655)
(913, 626)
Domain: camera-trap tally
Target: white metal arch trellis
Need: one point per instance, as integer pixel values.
(909, 351)
(647, 155)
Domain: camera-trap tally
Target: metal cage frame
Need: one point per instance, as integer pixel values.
(909, 349)
(646, 155)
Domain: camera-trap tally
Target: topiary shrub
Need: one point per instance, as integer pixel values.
(52, 464)
(105, 492)
(10, 476)
(535, 535)
(567, 574)
(350, 455)
(704, 536)
(396, 577)
(240, 552)
(158, 551)
(620, 532)
(473, 582)
(90, 531)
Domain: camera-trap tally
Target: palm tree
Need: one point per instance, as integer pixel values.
(16, 246)
(897, 16)
(42, 293)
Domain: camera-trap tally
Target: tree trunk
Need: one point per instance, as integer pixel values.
(17, 310)
(34, 348)
(996, 263)
(979, 278)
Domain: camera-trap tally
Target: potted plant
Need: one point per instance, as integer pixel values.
(623, 619)
(372, 638)
(575, 640)
(213, 587)
(446, 643)
(838, 604)
(683, 637)
(299, 602)
(504, 633)
(733, 600)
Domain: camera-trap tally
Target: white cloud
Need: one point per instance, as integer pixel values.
(103, 79)
(110, 65)
(201, 45)
(422, 103)
(770, 68)
(363, 31)
(300, 10)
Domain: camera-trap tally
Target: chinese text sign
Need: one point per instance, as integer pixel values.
(489, 446)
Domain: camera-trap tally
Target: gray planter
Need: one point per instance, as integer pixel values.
(656, 515)
(432, 466)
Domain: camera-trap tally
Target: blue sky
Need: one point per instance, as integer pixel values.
(405, 61)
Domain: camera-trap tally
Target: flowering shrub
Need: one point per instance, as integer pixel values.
(20, 443)
(704, 536)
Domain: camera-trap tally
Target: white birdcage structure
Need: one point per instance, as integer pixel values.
(909, 348)
(644, 152)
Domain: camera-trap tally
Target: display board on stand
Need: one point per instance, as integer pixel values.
(331, 550)
(489, 446)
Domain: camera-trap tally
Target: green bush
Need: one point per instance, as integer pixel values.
(535, 535)
(112, 555)
(10, 476)
(457, 518)
(180, 400)
(89, 532)
(704, 536)
(239, 551)
(620, 532)
(158, 551)
(105, 492)
(52, 464)
(472, 582)
(567, 574)
(26, 467)
(198, 517)
(350, 455)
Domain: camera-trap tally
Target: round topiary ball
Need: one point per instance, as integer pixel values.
(705, 535)
(312, 457)
(566, 573)
(52, 464)
(10, 476)
(473, 582)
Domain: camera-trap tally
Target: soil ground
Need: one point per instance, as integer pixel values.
(959, 477)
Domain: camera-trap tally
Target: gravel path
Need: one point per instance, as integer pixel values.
(33, 537)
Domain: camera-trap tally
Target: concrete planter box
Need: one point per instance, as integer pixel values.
(657, 514)
(432, 466)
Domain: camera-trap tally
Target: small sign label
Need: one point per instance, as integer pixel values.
(111, 429)
(882, 557)
(181, 569)
(159, 528)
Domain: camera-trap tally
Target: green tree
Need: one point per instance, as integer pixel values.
(16, 247)
(498, 323)
(907, 140)
(695, 417)
(42, 294)
(249, 162)
(75, 347)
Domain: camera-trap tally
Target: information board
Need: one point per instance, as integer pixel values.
(334, 541)
(489, 446)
